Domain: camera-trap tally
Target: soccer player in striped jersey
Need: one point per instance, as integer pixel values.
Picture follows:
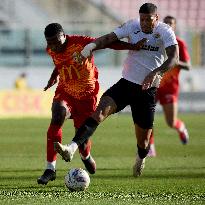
(168, 91)
(76, 93)
(140, 78)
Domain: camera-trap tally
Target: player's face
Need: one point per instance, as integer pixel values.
(171, 22)
(56, 43)
(148, 22)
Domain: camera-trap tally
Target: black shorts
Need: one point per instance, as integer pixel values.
(142, 102)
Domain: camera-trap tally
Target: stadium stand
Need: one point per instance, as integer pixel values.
(22, 22)
(190, 13)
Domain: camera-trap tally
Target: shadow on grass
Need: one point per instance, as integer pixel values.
(153, 176)
(110, 173)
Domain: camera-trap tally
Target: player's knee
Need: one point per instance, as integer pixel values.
(105, 108)
(58, 118)
(100, 118)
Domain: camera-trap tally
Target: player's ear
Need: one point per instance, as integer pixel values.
(63, 38)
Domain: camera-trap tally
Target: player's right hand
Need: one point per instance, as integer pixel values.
(151, 80)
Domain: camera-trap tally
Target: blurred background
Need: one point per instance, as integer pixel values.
(23, 57)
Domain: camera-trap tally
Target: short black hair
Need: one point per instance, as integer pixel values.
(170, 17)
(53, 29)
(148, 8)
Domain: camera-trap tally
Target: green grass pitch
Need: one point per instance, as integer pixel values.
(175, 176)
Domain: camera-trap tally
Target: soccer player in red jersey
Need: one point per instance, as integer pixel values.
(167, 93)
(76, 93)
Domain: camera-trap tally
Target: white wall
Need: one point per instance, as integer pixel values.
(38, 76)
(192, 98)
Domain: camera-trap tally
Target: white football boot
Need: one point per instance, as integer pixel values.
(138, 166)
(64, 150)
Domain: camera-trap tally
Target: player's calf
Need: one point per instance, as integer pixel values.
(64, 150)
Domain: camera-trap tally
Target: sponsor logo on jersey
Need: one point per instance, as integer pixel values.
(150, 48)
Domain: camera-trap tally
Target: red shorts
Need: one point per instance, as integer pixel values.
(80, 109)
(167, 95)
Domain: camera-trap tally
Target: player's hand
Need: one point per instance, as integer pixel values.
(153, 79)
(140, 44)
(85, 53)
(50, 83)
(78, 57)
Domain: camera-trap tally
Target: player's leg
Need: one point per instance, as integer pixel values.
(170, 112)
(142, 136)
(113, 100)
(152, 150)
(54, 134)
(105, 108)
(86, 157)
(84, 108)
(143, 109)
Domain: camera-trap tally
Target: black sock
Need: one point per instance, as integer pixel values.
(143, 152)
(85, 131)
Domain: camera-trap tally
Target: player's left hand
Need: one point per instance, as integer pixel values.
(139, 44)
(153, 79)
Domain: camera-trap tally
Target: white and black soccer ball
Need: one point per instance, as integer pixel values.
(77, 179)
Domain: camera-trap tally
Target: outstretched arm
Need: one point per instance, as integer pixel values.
(53, 79)
(107, 41)
(122, 45)
(110, 41)
(100, 43)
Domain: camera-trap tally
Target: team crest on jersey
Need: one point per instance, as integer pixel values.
(136, 32)
(121, 25)
(157, 35)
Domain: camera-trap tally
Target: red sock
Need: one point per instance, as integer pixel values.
(54, 134)
(85, 148)
(179, 125)
(151, 139)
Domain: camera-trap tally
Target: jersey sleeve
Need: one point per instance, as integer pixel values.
(169, 38)
(83, 40)
(123, 30)
(183, 52)
(88, 39)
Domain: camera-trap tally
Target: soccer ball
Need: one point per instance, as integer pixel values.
(77, 179)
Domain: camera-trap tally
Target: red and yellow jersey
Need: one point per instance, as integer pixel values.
(170, 79)
(78, 81)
